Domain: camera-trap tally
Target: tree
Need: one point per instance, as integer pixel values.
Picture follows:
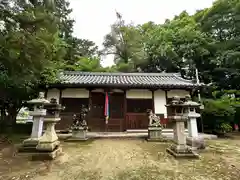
(30, 54)
(46, 3)
(80, 48)
(125, 43)
(221, 22)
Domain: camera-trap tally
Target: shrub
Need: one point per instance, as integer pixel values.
(218, 115)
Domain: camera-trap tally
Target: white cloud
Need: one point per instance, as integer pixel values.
(94, 17)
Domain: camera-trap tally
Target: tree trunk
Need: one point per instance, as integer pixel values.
(3, 119)
(11, 119)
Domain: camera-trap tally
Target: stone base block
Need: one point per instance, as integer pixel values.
(79, 134)
(72, 139)
(28, 145)
(155, 133)
(196, 143)
(40, 156)
(30, 142)
(181, 151)
(159, 139)
(27, 149)
(47, 146)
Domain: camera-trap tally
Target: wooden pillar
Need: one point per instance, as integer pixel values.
(166, 97)
(90, 103)
(45, 93)
(60, 96)
(124, 124)
(153, 105)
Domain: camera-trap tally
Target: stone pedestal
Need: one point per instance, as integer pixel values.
(196, 142)
(78, 135)
(48, 146)
(180, 149)
(155, 134)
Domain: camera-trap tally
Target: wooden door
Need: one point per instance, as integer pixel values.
(116, 111)
(96, 119)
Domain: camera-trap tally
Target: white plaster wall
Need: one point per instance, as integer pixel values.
(177, 92)
(160, 102)
(139, 94)
(53, 93)
(75, 93)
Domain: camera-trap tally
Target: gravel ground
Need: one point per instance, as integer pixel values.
(127, 159)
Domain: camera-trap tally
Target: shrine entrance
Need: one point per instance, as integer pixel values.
(96, 119)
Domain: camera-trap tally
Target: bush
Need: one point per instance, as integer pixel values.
(218, 115)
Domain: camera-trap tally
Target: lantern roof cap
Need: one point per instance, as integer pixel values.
(189, 102)
(39, 100)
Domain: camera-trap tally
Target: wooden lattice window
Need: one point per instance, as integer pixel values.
(139, 105)
(73, 105)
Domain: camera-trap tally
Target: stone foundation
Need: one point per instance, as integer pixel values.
(155, 134)
(45, 155)
(78, 135)
(28, 145)
(182, 151)
(196, 142)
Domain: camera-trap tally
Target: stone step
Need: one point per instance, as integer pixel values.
(145, 130)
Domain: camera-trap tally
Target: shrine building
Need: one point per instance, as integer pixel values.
(117, 101)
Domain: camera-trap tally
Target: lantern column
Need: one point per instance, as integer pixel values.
(193, 139)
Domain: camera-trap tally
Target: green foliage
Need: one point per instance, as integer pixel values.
(207, 40)
(125, 43)
(30, 54)
(219, 114)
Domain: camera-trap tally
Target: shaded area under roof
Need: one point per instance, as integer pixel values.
(124, 80)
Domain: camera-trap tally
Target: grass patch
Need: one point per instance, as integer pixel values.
(83, 175)
(145, 173)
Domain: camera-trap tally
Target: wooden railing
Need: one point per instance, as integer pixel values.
(136, 121)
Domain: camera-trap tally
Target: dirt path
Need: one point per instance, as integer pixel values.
(125, 159)
(100, 159)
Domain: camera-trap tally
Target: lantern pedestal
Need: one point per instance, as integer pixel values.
(180, 149)
(49, 146)
(196, 142)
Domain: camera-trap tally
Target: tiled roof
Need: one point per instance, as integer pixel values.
(137, 80)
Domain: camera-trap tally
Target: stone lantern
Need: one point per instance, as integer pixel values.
(178, 117)
(38, 114)
(49, 146)
(193, 138)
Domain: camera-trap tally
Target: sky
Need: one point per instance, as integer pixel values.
(93, 18)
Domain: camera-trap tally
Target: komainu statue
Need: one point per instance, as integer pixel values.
(80, 123)
(154, 120)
